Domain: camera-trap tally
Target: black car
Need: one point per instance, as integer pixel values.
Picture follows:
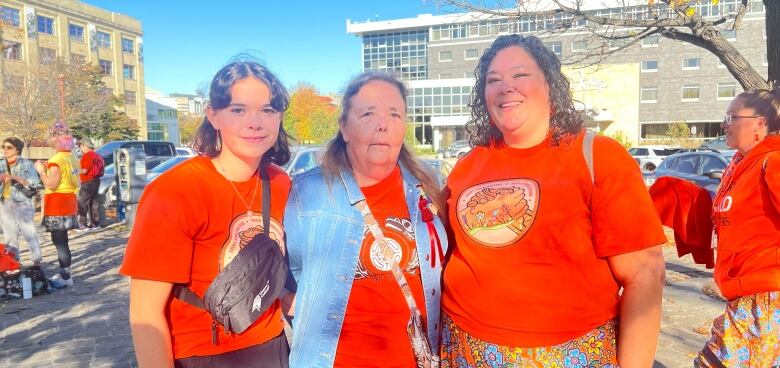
(703, 167)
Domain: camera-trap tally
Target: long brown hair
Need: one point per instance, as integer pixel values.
(336, 158)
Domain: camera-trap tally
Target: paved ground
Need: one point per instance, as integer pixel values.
(87, 325)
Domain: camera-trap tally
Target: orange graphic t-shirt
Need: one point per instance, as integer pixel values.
(529, 267)
(190, 224)
(374, 329)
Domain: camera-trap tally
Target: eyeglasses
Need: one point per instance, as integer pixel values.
(8, 147)
(728, 119)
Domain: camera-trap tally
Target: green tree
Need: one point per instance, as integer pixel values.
(622, 138)
(679, 133)
(188, 127)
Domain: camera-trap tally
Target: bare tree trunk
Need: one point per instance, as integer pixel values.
(773, 40)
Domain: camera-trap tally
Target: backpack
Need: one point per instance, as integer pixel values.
(101, 166)
(249, 284)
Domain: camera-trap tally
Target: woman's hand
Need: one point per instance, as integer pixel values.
(40, 167)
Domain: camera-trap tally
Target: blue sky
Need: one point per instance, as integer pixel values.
(186, 42)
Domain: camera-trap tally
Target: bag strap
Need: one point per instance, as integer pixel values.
(385, 250)
(587, 152)
(183, 293)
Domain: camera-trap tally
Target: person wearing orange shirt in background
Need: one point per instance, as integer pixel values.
(91, 171)
(746, 215)
(542, 250)
(60, 178)
(193, 220)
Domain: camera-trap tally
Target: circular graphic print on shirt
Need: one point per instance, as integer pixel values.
(243, 228)
(400, 237)
(498, 213)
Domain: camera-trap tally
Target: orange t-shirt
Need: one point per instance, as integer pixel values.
(190, 222)
(529, 265)
(374, 330)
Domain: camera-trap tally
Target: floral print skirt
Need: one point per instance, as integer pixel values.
(597, 348)
(55, 223)
(746, 335)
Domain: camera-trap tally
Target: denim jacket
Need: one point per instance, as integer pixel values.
(324, 235)
(24, 168)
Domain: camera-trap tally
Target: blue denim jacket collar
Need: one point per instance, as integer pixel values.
(324, 234)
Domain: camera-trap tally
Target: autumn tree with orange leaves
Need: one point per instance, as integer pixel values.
(310, 118)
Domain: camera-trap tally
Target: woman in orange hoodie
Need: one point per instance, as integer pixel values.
(746, 214)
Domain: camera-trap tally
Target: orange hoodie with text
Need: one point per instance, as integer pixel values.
(746, 214)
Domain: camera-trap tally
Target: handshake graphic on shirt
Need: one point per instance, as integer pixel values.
(494, 208)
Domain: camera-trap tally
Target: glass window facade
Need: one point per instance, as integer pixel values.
(130, 97)
(45, 25)
(425, 102)
(12, 50)
(650, 66)
(690, 92)
(128, 46)
(46, 55)
(579, 45)
(105, 66)
(128, 71)
(445, 55)
(692, 63)
(727, 90)
(471, 54)
(78, 59)
(104, 39)
(9, 16)
(404, 54)
(556, 48)
(648, 95)
(76, 32)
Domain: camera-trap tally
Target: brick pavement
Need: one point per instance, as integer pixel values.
(87, 325)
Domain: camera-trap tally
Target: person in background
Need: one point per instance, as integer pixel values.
(746, 216)
(17, 210)
(351, 309)
(544, 243)
(91, 170)
(60, 178)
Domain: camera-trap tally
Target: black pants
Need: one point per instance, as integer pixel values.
(89, 214)
(60, 240)
(271, 354)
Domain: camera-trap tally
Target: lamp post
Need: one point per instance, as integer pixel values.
(61, 80)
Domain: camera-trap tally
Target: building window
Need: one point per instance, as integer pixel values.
(76, 32)
(104, 39)
(727, 91)
(689, 64)
(9, 16)
(46, 55)
(472, 54)
(77, 59)
(649, 66)
(729, 34)
(45, 25)
(651, 41)
(130, 97)
(445, 56)
(690, 92)
(579, 45)
(556, 48)
(401, 53)
(445, 76)
(128, 71)
(648, 95)
(12, 50)
(128, 46)
(105, 66)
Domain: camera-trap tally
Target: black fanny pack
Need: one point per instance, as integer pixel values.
(249, 284)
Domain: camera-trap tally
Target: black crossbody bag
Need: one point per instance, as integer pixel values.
(28, 191)
(249, 284)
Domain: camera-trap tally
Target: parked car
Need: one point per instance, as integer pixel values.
(441, 169)
(702, 167)
(718, 143)
(150, 148)
(304, 158)
(649, 157)
(165, 166)
(457, 149)
(107, 189)
(185, 151)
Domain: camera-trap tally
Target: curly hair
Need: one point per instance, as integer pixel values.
(565, 121)
(219, 98)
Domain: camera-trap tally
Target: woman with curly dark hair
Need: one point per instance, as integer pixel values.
(544, 240)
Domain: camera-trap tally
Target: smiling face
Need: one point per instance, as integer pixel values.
(375, 126)
(249, 125)
(517, 97)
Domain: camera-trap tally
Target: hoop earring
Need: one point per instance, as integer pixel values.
(218, 144)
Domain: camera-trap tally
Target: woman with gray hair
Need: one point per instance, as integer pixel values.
(364, 241)
(16, 208)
